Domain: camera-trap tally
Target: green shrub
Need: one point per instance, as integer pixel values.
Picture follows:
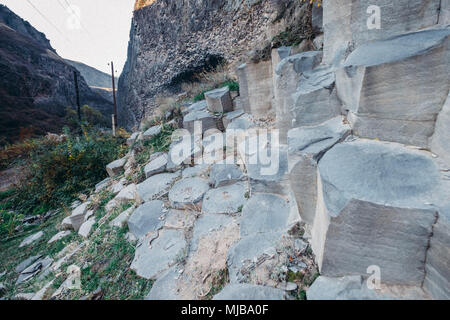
(61, 172)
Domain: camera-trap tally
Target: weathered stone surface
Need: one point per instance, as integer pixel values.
(196, 171)
(122, 219)
(166, 287)
(306, 147)
(116, 167)
(248, 249)
(317, 18)
(156, 256)
(153, 131)
(118, 186)
(78, 215)
(155, 186)
(255, 86)
(86, 227)
(265, 213)
(355, 288)
(182, 152)
(382, 107)
(213, 147)
(40, 265)
(243, 122)
(437, 267)
(102, 185)
(225, 174)
(60, 235)
(228, 199)
(31, 239)
(146, 218)
(127, 194)
(132, 138)
(376, 206)
(157, 165)
(188, 192)
(200, 118)
(440, 142)
(346, 21)
(244, 291)
(315, 100)
(26, 263)
(219, 100)
(179, 219)
(286, 76)
(206, 224)
(230, 116)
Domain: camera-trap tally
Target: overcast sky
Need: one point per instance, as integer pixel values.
(101, 36)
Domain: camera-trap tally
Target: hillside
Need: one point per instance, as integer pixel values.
(93, 77)
(36, 84)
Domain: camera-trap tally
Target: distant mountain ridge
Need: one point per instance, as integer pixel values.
(93, 77)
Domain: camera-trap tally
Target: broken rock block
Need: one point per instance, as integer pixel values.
(31, 239)
(183, 152)
(132, 139)
(377, 205)
(315, 100)
(153, 131)
(166, 286)
(155, 255)
(255, 86)
(379, 105)
(244, 291)
(156, 165)
(230, 116)
(188, 192)
(225, 174)
(306, 146)
(286, 76)
(86, 227)
(201, 119)
(356, 22)
(78, 215)
(155, 186)
(219, 100)
(355, 288)
(116, 167)
(146, 218)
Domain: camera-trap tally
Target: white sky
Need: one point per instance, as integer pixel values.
(107, 23)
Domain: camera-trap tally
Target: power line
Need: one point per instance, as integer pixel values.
(48, 20)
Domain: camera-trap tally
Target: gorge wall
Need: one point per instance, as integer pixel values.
(171, 41)
(36, 84)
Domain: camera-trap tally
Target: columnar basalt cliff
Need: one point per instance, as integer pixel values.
(170, 41)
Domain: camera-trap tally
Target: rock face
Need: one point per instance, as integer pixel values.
(345, 21)
(39, 100)
(367, 183)
(221, 31)
(408, 111)
(93, 77)
(219, 100)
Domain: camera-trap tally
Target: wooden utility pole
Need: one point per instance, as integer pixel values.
(114, 97)
(77, 92)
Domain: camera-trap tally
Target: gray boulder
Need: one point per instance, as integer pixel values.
(155, 186)
(230, 116)
(146, 218)
(382, 107)
(201, 119)
(116, 167)
(86, 227)
(166, 286)
(60, 235)
(306, 146)
(243, 291)
(243, 122)
(102, 185)
(154, 256)
(26, 263)
(219, 100)
(132, 139)
(188, 192)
